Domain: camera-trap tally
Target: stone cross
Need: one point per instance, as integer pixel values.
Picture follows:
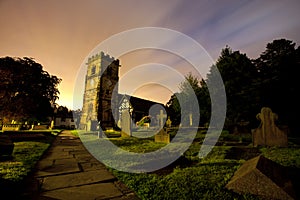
(268, 134)
(161, 118)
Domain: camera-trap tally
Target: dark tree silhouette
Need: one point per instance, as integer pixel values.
(27, 92)
(279, 67)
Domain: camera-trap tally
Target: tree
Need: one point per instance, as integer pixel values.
(191, 86)
(173, 109)
(279, 67)
(27, 92)
(238, 74)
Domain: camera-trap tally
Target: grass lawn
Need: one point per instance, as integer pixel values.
(14, 169)
(193, 178)
(187, 178)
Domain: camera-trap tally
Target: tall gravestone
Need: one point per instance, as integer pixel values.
(268, 134)
(125, 124)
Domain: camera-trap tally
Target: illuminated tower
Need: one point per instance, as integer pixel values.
(100, 92)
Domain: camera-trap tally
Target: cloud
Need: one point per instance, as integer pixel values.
(60, 34)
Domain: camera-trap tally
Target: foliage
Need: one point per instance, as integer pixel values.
(279, 66)
(270, 80)
(27, 92)
(188, 88)
(238, 73)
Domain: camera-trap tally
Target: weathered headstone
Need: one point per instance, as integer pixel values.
(264, 178)
(6, 146)
(162, 136)
(268, 134)
(11, 127)
(161, 118)
(125, 124)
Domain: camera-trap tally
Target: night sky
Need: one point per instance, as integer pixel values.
(59, 34)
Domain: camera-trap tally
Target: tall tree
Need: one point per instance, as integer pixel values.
(191, 87)
(279, 67)
(238, 74)
(27, 92)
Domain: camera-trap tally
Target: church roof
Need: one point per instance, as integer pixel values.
(138, 104)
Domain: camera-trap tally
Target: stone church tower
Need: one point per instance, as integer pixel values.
(100, 93)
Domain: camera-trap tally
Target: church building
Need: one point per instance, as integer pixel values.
(102, 104)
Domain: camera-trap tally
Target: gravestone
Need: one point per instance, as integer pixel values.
(161, 118)
(268, 134)
(11, 127)
(264, 178)
(125, 124)
(168, 122)
(52, 124)
(191, 119)
(6, 146)
(162, 136)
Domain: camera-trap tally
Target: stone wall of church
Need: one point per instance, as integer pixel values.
(98, 80)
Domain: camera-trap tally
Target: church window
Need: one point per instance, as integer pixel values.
(93, 71)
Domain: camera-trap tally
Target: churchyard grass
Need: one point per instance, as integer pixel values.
(193, 178)
(289, 157)
(74, 132)
(24, 157)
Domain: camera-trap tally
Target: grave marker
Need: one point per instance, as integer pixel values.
(262, 177)
(125, 124)
(160, 118)
(162, 136)
(191, 119)
(268, 134)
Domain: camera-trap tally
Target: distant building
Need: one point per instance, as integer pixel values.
(101, 100)
(67, 123)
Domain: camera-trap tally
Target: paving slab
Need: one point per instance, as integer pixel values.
(60, 166)
(76, 179)
(91, 166)
(85, 192)
(69, 171)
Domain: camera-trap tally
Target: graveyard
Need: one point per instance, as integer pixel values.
(256, 155)
(240, 165)
(189, 177)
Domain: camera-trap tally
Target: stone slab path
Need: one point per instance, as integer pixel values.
(69, 171)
